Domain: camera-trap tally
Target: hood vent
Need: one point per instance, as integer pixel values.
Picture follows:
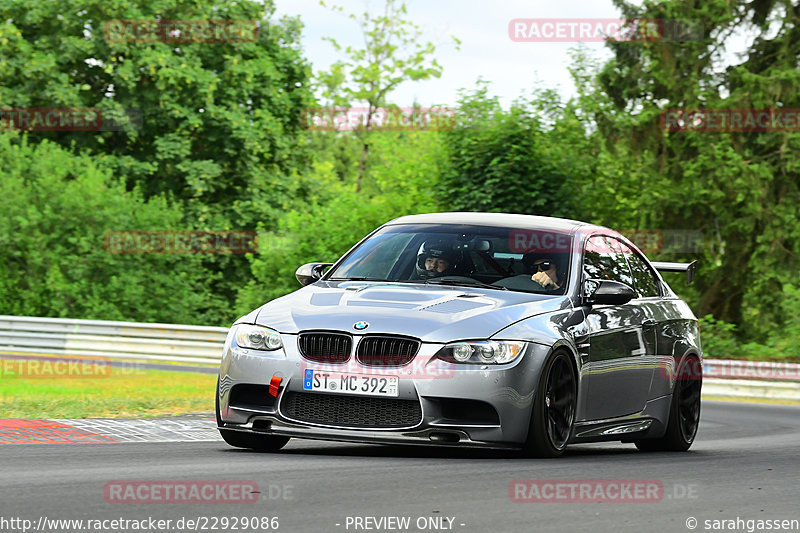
(454, 306)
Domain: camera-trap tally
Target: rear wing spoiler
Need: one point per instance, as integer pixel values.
(689, 268)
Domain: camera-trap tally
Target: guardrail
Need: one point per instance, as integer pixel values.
(104, 339)
(751, 380)
(192, 345)
(758, 370)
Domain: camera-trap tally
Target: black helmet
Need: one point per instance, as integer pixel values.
(438, 249)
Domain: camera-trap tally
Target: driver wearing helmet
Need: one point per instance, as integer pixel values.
(548, 270)
(434, 259)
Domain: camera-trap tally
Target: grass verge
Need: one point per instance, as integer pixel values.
(116, 394)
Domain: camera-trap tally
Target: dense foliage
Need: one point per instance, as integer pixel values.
(742, 189)
(221, 146)
(57, 208)
(499, 162)
(401, 182)
(214, 126)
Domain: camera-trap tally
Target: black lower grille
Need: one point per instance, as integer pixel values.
(325, 347)
(383, 350)
(249, 396)
(353, 411)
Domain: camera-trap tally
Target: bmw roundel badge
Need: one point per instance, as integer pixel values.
(361, 325)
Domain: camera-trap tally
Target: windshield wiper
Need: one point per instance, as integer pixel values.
(466, 283)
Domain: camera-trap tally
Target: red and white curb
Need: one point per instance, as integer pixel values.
(102, 430)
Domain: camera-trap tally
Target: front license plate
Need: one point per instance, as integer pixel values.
(317, 380)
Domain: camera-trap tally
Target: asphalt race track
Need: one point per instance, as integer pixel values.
(744, 465)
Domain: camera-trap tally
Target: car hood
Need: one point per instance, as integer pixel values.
(431, 313)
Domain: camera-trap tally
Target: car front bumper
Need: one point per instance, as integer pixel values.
(462, 405)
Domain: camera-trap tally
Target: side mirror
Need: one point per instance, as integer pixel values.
(310, 272)
(607, 292)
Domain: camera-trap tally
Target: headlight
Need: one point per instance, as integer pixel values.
(258, 338)
(481, 352)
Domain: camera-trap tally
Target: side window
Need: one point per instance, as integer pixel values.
(597, 262)
(622, 271)
(603, 259)
(643, 277)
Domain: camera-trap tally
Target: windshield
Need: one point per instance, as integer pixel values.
(501, 258)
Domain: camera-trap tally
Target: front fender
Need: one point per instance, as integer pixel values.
(553, 330)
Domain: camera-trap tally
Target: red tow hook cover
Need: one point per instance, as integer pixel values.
(274, 385)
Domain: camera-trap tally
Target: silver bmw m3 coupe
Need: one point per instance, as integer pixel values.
(470, 330)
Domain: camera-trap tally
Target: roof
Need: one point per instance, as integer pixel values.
(496, 219)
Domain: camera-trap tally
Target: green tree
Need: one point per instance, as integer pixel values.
(57, 209)
(219, 130)
(407, 168)
(740, 188)
(220, 121)
(503, 161)
(392, 54)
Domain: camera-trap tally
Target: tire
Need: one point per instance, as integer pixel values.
(240, 439)
(554, 405)
(684, 411)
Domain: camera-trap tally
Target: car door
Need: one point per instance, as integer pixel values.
(615, 374)
(659, 327)
(648, 290)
